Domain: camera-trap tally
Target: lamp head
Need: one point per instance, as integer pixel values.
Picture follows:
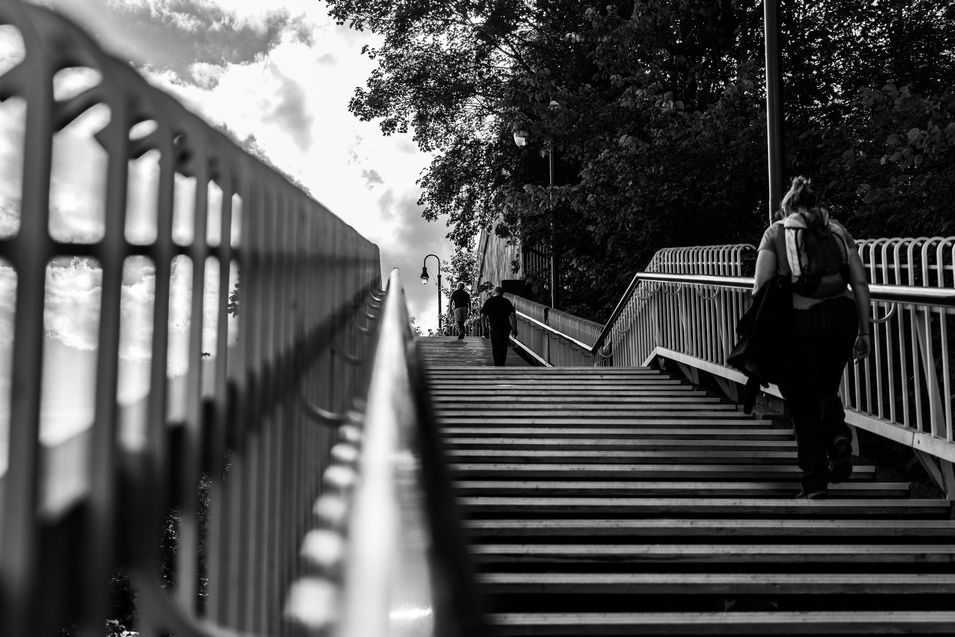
(520, 137)
(424, 275)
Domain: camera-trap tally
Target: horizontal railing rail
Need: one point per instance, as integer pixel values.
(183, 334)
(400, 563)
(941, 297)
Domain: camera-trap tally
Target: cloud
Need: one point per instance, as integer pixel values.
(405, 242)
(290, 92)
(175, 34)
(71, 312)
(290, 111)
(372, 177)
(406, 146)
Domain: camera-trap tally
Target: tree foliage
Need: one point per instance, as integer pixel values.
(654, 113)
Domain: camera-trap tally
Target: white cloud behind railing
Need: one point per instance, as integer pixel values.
(279, 76)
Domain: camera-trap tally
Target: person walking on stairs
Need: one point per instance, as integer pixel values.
(827, 324)
(499, 317)
(461, 302)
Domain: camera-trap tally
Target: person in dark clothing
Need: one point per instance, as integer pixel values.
(828, 325)
(461, 303)
(498, 316)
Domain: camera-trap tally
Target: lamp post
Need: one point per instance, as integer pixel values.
(425, 278)
(774, 106)
(520, 139)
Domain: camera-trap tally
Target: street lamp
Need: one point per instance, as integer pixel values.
(520, 139)
(425, 278)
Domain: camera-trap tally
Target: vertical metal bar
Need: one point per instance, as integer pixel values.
(31, 249)
(257, 384)
(156, 401)
(187, 550)
(241, 379)
(553, 229)
(774, 106)
(220, 545)
(101, 505)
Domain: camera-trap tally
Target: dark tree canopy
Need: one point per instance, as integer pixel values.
(654, 113)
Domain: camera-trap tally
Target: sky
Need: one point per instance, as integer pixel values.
(277, 72)
(281, 72)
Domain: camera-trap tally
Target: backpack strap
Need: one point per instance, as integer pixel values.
(836, 229)
(782, 262)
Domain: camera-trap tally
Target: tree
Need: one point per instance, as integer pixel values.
(653, 111)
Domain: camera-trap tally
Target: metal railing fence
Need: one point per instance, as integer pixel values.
(237, 307)
(555, 338)
(687, 309)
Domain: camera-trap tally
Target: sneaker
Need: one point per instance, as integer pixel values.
(812, 494)
(840, 459)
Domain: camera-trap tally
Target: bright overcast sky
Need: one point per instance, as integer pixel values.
(283, 72)
(278, 71)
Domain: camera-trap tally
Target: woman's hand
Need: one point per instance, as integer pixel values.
(862, 347)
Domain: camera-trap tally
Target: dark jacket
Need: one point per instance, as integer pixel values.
(761, 352)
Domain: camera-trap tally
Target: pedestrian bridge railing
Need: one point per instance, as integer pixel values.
(186, 344)
(686, 305)
(552, 337)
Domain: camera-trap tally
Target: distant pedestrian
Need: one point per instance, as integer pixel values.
(461, 302)
(499, 317)
(828, 324)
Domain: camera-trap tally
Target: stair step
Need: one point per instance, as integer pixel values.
(664, 429)
(528, 442)
(705, 417)
(726, 623)
(721, 583)
(610, 414)
(466, 371)
(631, 396)
(708, 488)
(579, 389)
(713, 527)
(714, 553)
(686, 506)
(635, 471)
(684, 456)
(452, 402)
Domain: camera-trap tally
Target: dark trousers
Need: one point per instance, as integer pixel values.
(499, 345)
(822, 339)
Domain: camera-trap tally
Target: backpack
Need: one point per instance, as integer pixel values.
(817, 255)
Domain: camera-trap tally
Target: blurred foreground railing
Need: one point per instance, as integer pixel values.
(389, 555)
(180, 327)
(686, 307)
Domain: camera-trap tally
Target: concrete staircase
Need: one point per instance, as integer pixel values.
(625, 502)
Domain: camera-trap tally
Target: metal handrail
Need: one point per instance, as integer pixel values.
(551, 330)
(942, 297)
(405, 565)
(232, 424)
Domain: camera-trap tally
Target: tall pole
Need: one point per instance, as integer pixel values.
(774, 106)
(553, 230)
(425, 277)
